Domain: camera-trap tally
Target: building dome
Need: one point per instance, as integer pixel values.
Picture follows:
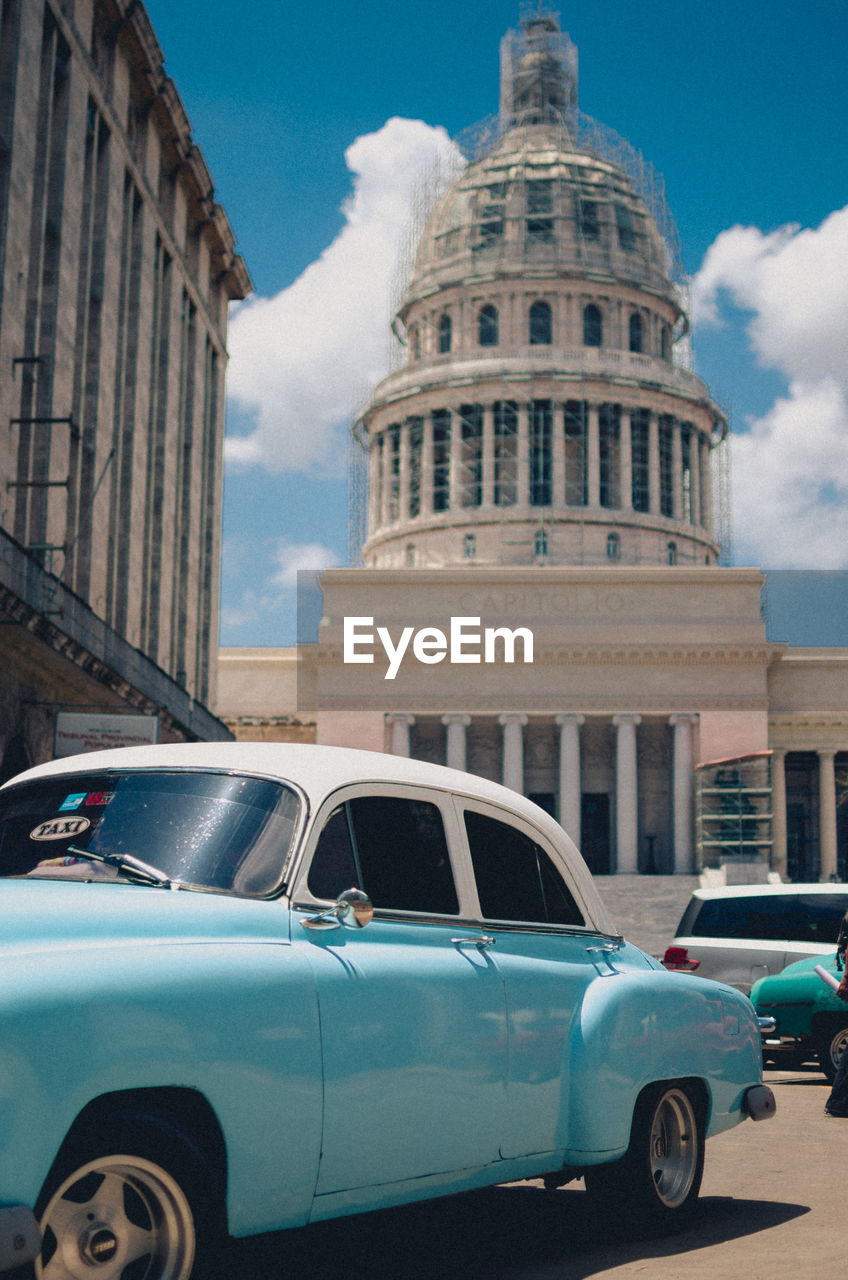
(542, 415)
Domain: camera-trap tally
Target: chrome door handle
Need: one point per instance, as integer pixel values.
(482, 940)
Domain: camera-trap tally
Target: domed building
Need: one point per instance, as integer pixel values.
(541, 599)
(541, 416)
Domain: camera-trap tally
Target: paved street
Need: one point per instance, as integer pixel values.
(772, 1204)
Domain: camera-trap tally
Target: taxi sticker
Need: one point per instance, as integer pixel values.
(59, 829)
(73, 801)
(99, 798)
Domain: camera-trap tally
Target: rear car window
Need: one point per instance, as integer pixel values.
(776, 918)
(516, 879)
(213, 830)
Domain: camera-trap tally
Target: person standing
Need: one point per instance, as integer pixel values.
(837, 1103)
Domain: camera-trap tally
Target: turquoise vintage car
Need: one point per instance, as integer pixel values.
(251, 986)
(810, 1020)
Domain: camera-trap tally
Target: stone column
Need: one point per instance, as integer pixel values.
(513, 723)
(570, 790)
(653, 465)
(676, 472)
(683, 794)
(593, 458)
(827, 815)
(403, 490)
(399, 723)
(488, 455)
(522, 487)
(455, 746)
(626, 454)
(375, 481)
(695, 476)
(427, 467)
(456, 476)
(779, 851)
(558, 456)
(626, 795)
(707, 488)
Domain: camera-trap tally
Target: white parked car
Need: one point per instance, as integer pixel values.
(742, 933)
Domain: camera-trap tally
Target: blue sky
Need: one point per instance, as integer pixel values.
(741, 108)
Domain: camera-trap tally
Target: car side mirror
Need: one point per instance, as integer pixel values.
(353, 909)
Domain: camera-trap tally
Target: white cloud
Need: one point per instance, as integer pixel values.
(790, 468)
(302, 363)
(292, 556)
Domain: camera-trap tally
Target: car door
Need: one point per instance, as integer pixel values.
(412, 1009)
(547, 958)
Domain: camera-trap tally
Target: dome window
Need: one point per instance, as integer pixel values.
(593, 326)
(665, 342)
(445, 334)
(487, 326)
(540, 324)
(613, 546)
(470, 546)
(671, 552)
(636, 332)
(588, 219)
(414, 343)
(624, 224)
(540, 544)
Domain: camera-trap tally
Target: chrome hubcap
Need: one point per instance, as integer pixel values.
(673, 1148)
(114, 1216)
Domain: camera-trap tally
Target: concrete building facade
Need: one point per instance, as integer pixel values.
(543, 460)
(117, 266)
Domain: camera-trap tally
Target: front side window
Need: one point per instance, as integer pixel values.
(516, 880)
(392, 848)
(204, 829)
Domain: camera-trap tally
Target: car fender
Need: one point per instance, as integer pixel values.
(638, 1027)
(236, 1022)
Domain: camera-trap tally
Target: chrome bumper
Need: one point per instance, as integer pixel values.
(759, 1102)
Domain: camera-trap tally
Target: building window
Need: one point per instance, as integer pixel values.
(410, 555)
(613, 546)
(471, 455)
(671, 553)
(415, 440)
(414, 343)
(624, 224)
(639, 428)
(441, 459)
(469, 548)
(506, 452)
(686, 469)
(609, 440)
(540, 324)
(666, 430)
(665, 342)
(541, 421)
(636, 332)
(445, 333)
(393, 444)
(593, 326)
(540, 544)
(588, 219)
(576, 471)
(487, 326)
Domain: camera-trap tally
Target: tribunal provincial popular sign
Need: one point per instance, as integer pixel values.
(78, 731)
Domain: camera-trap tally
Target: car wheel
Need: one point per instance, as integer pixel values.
(655, 1186)
(141, 1208)
(831, 1050)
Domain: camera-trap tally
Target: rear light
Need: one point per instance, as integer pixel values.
(678, 958)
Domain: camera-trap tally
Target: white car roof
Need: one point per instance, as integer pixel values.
(760, 890)
(320, 770)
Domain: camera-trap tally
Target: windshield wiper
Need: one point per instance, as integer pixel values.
(127, 863)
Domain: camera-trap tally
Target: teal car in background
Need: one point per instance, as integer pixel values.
(810, 1020)
(252, 986)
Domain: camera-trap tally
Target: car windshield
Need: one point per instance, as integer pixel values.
(205, 829)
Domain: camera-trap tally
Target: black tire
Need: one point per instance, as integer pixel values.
(832, 1045)
(136, 1201)
(654, 1187)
